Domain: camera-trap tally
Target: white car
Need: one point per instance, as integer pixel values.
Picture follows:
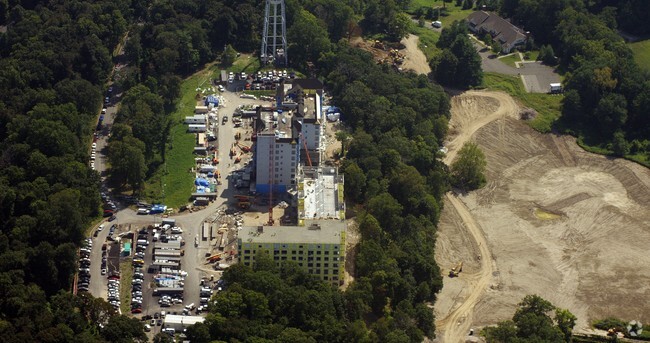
(94, 145)
(103, 271)
(221, 88)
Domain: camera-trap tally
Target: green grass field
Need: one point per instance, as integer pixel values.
(510, 59)
(641, 52)
(455, 13)
(172, 184)
(428, 40)
(546, 105)
(126, 279)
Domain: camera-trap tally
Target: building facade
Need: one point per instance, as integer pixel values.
(318, 247)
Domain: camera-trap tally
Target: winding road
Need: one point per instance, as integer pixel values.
(466, 119)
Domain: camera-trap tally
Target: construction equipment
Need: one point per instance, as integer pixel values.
(244, 148)
(214, 258)
(456, 270)
(242, 197)
(238, 158)
(233, 151)
(238, 136)
(244, 205)
(304, 143)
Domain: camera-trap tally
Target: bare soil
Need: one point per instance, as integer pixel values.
(414, 58)
(568, 225)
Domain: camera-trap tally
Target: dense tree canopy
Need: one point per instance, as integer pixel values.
(468, 169)
(536, 320)
(458, 65)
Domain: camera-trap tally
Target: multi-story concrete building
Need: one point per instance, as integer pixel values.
(318, 247)
(285, 137)
(319, 194)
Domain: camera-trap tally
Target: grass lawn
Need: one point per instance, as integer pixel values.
(510, 59)
(246, 63)
(172, 184)
(641, 52)
(126, 278)
(428, 40)
(546, 105)
(455, 12)
(532, 55)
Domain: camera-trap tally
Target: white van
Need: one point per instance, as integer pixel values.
(143, 242)
(190, 306)
(143, 211)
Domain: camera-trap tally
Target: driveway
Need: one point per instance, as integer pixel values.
(535, 76)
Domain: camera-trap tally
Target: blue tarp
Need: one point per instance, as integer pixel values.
(201, 182)
(333, 109)
(211, 99)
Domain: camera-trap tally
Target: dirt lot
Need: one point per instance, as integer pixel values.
(570, 226)
(414, 58)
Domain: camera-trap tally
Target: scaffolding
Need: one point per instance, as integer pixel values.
(274, 43)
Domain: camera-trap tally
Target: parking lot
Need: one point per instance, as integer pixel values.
(198, 276)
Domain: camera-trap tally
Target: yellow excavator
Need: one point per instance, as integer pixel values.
(456, 270)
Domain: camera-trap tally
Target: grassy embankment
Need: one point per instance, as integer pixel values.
(641, 52)
(173, 183)
(126, 279)
(546, 105)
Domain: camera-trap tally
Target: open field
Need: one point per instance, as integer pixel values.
(641, 52)
(553, 220)
(547, 105)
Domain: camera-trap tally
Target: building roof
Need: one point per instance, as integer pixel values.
(319, 191)
(184, 320)
(500, 29)
(308, 83)
(314, 231)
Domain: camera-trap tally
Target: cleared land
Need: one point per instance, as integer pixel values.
(557, 221)
(414, 57)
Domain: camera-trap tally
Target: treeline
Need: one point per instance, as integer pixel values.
(393, 174)
(607, 96)
(54, 59)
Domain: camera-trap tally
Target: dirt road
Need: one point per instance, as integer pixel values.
(458, 322)
(470, 111)
(570, 226)
(414, 57)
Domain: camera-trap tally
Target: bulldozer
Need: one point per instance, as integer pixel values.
(456, 270)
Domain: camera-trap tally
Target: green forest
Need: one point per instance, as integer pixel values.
(56, 58)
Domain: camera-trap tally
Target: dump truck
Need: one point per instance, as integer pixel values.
(456, 270)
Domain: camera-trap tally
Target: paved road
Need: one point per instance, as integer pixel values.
(191, 223)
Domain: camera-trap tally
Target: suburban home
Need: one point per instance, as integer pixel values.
(501, 30)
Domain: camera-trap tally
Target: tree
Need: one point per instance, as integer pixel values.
(468, 169)
(547, 55)
(198, 333)
(309, 39)
(620, 146)
(121, 328)
(229, 56)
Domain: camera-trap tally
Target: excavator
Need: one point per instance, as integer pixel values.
(456, 270)
(244, 201)
(238, 158)
(244, 148)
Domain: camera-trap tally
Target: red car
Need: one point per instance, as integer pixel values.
(136, 310)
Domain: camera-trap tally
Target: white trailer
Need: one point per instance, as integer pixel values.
(196, 128)
(201, 109)
(555, 88)
(196, 119)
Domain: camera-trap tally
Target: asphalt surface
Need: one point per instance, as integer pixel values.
(191, 223)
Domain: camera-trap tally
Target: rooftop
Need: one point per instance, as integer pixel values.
(314, 231)
(320, 193)
(186, 320)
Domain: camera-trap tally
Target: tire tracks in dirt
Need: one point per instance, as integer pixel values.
(469, 112)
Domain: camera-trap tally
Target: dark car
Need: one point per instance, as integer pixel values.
(96, 234)
(159, 322)
(113, 217)
(224, 120)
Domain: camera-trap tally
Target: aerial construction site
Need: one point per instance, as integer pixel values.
(553, 220)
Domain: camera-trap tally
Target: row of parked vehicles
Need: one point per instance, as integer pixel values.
(138, 272)
(84, 266)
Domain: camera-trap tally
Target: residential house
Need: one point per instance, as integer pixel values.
(501, 30)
